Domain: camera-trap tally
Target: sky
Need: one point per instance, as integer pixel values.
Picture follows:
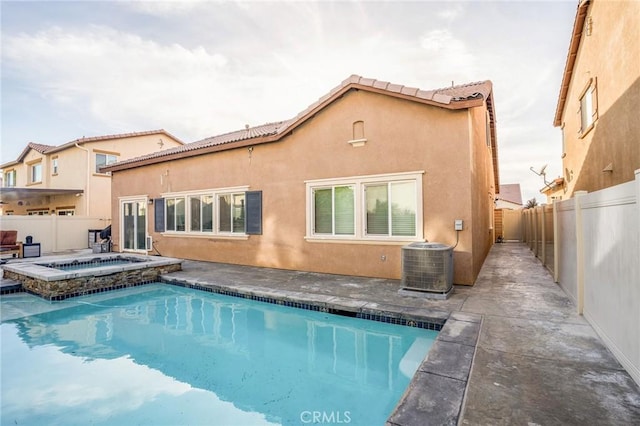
(199, 69)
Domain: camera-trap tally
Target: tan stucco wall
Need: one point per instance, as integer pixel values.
(482, 189)
(612, 56)
(402, 136)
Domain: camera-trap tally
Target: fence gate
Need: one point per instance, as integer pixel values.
(512, 225)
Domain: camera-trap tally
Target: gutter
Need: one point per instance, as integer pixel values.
(87, 192)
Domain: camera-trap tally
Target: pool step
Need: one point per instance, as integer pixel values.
(8, 286)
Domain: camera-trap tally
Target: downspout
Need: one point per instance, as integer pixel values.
(86, 188)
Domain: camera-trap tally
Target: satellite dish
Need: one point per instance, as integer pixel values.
(541, 172)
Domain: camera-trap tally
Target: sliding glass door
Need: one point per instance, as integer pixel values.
(134, 225)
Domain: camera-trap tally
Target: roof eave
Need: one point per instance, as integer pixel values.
(115, 167)
(111, 137)
(576, 37)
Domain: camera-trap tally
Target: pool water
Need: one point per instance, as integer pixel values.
(167, 355)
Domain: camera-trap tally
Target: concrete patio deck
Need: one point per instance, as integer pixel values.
(512, 351)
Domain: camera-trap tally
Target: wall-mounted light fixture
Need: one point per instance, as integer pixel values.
(609, 168)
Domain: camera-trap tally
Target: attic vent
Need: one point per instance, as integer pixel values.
(358, 134)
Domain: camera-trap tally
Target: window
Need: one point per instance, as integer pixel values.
(201, 213)
(228, 212)
(54, 165)
(588, 107)
(391, 209)
(231, 213)
(175, 214)
(35, 173)
(66, 212)
(334, 210)
(104, 160)
(10, 178)
(380, 207)
(38, 212)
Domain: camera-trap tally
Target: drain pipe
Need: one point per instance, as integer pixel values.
(86, 188)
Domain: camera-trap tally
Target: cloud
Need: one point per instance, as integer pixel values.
(164, 8)
(120, 77)
(451, 13)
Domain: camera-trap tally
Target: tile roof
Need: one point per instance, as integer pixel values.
(41, 148)
(455, 97)
(510, 192)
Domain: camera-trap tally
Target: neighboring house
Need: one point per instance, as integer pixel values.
(340, 188)
(66, 179)
(554, 190)
(509, 197)
(600, 97)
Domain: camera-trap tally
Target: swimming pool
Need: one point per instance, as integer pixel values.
(160, 354)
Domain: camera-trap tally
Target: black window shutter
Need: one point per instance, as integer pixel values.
(254, 212)
(158, 206)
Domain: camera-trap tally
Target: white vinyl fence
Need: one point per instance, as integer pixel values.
(596, 247)
(54, 233)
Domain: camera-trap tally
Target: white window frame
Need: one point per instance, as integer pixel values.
(216, 193)
(588, 110)
(10, 178)
(108, 156)
(54, 166)
(359, 183)
(333, 219)
(231, 207)
(32, 170)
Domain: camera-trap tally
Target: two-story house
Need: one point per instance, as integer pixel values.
(66, 179)
(340, 188)
(600, 98)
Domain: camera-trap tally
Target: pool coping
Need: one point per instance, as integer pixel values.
(436, 391)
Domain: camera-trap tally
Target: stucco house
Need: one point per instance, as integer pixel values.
(66, 179)
(600, 98)
(339, 188)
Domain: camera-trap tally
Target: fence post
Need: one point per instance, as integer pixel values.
(54, 228)
(556, 242)
(579, 252)
(534, 220)
(543, 236)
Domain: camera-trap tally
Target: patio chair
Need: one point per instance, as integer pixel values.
(9, 245)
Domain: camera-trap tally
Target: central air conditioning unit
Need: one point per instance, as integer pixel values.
(428, 268)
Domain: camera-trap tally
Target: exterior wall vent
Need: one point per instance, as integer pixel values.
(428, 268)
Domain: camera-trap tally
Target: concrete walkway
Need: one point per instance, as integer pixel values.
(537, 362)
